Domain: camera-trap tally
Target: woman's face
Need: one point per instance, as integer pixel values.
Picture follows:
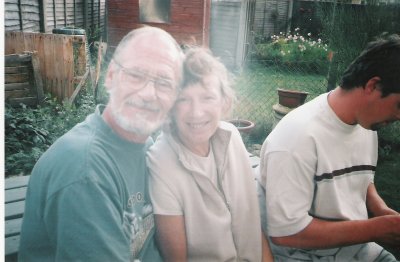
(197, 111)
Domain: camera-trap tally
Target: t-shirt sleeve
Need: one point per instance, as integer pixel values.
(289, 193)
(84, 222)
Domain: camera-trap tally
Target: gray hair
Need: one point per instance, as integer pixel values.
(200, 63)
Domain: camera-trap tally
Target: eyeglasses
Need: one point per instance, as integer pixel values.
(138, 80)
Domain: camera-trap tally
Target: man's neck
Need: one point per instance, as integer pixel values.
(345, 103)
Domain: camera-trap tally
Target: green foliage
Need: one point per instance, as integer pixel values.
(293, 50)
(390, 134)
(30, 131)
(348, 28)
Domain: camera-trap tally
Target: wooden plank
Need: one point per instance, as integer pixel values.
(19, 42)
(16, 182)
(17, 93)
(16, 78)
(10, 40)
(14, 210)
(29, 101)
(37, 77)
(11, 245)
(15, 194)
(16, 59)
(78, 88)
(80, 56)
(16, 86)
(12, 227)
(58, 65)
(38, 43)
(16, 69)
(8, 44)
(68, 58)
(48, 44)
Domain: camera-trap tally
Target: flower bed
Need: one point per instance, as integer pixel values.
(294, 50)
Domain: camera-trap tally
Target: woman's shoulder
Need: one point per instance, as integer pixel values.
(162, 151)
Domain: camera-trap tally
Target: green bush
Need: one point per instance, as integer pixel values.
(288, 51)
(30, 131)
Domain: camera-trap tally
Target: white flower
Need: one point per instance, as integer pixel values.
(309, 34)
(296, 29)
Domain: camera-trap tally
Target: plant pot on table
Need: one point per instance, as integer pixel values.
(243, 125)
(291, 98)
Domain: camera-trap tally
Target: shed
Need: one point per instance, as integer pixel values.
(187, 21)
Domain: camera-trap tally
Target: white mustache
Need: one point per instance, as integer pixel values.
(143, 105)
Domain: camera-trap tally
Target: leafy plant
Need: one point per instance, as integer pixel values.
(30, 131)
(290, 50)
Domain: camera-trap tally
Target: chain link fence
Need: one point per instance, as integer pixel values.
(256, 90)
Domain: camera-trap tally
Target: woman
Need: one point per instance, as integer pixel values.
(201, 181)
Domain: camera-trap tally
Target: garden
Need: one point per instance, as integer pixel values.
(296, 60)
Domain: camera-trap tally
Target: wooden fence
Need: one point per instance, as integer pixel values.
(45, 15)
(62, 58)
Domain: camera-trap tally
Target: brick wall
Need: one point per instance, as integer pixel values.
(189, 20)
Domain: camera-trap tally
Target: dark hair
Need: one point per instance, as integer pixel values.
(381, 58)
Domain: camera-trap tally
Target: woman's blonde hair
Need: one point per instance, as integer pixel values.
(200, 63)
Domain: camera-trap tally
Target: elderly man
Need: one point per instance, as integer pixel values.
(318, 167)
(87, 197)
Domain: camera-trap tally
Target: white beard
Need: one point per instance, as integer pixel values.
(139, 124)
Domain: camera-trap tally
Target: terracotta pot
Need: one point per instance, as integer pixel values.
(291, 98)
(244, 126)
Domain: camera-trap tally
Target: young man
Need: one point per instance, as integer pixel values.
(318, 165)
(87, 197)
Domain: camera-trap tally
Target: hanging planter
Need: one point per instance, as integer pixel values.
(291, 98)
(244, 126)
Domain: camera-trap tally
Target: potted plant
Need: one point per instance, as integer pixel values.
(291, 98)
(244, 126)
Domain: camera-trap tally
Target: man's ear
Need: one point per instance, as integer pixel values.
(373, 85)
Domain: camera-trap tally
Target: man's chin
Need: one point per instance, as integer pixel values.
(143, 127)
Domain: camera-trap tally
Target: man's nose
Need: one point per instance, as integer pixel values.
(148, 91)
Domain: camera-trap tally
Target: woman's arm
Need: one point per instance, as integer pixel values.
(171, 237)
(266, 251)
